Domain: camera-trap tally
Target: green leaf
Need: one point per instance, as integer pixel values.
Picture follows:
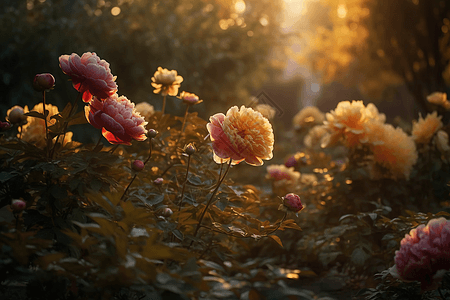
(36, 114)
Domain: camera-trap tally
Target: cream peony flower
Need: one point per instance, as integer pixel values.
(309, 116)
(439, 99)
(166, 82)
(145, 109)
(424, 129)
(266, 110)
(392, 148)
(314, 136)
(348, 120)
(34, 131)
(241, 134)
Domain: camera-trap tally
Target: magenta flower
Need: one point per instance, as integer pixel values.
(117, 118)
(90, 75)
(424, 253)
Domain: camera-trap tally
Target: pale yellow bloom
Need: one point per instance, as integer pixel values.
(424, 129)
(267, 111)
(145, 109)
(309, 116)
(348, 120)
(314, 136)
(308, 179)
(166, 82)
(392, 148)
(34, 131)
(440, 99)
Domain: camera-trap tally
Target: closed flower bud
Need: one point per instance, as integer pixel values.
(190, 98)
(137, 165)
(15, 115)
(4, 126)
(43, 82)
(166, 212)
(292, 202)
(152, 133)
(18, 205)
(158, 181)
(189, 149)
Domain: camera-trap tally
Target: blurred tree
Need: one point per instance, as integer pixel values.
(382, 43)
(222, 48)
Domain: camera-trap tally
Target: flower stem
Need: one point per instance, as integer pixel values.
(184, 123)
(210, 200)
(65, 126)
(184, 183)
(150, 152)
(164, 105)
(47, 142)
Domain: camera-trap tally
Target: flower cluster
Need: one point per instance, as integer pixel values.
(423, 253)
(241, 134)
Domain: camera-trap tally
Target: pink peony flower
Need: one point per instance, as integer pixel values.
(117, 118)
(90, 75)
(292, 202)
(424, 253)
(241, 134)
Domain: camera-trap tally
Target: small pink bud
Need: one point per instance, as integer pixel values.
(291, 162)
(16, 115)
(292, 202)
(18, 205)
(44, 81)
(152, 133)
(166, 212)
(158, 181)
(5, 126)
(190, 98)
(189, 149)
(137, 165)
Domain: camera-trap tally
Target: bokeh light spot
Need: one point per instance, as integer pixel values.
(115, 11)
(239, 6)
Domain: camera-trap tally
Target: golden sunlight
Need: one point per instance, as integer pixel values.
(342, 11)
(239, 6)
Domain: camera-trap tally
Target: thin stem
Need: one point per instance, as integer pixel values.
(65, 126)
(98, 142)
(184, 183)
(126, 190)
(114, 148)
(150, 152)
(184, 123)
(164, 105)
(440, 293)
(47, 142)
(210, 200)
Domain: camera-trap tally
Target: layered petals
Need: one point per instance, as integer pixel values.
(90, 75)
(118, 119)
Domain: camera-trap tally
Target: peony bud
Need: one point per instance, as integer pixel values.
(16, 115)
(18, 205)
(189, 149)
(166, 212)
(190, 98)
(292, 202)
(158, 181)
(137, 165)
(152, 133)
(5, 126)
(43, 82)
(291, 162)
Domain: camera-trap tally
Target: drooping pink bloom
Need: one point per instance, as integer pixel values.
(90, 75)
(117, 118)
(424, 253)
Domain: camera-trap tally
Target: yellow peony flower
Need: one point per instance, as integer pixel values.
(267, 111)
(392, 148)
(241, 134)
(348, 120)
(34, 131)
(166, 82)
(424, 129)
(309, 116)
(440, 99)
(314, 136)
